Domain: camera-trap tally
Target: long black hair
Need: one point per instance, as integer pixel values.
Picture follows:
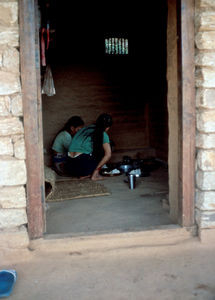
(102, 123)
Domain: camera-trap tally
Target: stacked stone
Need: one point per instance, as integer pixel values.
(205, 103)
(13, 216)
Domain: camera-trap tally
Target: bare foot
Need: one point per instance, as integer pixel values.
(97, 177)
(84, 177)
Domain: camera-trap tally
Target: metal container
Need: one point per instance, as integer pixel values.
(124, 168)
(131, 181)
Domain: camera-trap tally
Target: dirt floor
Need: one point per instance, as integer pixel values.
(182, 271)
(124, 210)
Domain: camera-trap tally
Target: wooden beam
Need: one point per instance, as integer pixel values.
(187, 112)
(39, 102)
(31, 111)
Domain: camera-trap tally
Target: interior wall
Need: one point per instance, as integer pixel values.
(132, 89)
(172, 77)
(158, 128)
(88, 91)
(158, 112)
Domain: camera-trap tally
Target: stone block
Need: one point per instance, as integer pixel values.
(10, 218)
(205, 4)
(205, 141)
(206, 121)
(205, 21)
(4, 106)
(205, 180)
(207, 236)
(6, 146)
(205, 77)
(19, 147)
(1, 59)
(205, 200)
(16, 105)
(12, 197)
(206, 160)
(205, 219)
(10, 83)
(205, 40)
(17, 239)
(13, 172)
(205, 98)
(10, 126)
(8, 13)
(205, 58)
(11, 60)
(9, 36)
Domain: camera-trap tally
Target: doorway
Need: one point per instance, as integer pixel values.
(121, 71)
(108, 66)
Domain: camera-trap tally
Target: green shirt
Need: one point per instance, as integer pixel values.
(82, 141)
(62, 142)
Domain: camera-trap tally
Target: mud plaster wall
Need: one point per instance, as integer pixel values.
(158, 128)
(158, 112)
(88, 91)
(130, 88)
(12, 150)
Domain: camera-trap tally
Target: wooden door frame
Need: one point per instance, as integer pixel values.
(31, 93)
(187, 111)
(32, 112)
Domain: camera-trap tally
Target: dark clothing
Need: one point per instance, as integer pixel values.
(82, 165)
(59, 163)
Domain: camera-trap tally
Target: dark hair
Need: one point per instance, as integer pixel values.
(74, 121)
(104, 121)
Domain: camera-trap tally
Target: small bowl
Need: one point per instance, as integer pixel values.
(125, 168)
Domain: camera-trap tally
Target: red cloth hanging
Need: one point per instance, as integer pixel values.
(45, 40)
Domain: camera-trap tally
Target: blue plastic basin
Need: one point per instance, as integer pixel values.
(7, 281)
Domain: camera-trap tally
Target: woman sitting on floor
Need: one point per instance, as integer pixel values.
(90, 149)
(62, 141)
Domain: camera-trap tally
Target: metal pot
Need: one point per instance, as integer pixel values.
(125, 168)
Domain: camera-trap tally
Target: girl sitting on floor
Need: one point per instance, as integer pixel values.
(90, 149)
(62, 141)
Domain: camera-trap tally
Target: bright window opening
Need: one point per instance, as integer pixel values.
(116, 46)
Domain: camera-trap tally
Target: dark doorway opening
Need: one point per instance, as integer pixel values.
(32, 113)
(131, 86)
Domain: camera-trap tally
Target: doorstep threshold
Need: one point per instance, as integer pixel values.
(93, 242)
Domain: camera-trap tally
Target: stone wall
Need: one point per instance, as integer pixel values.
(13, 216)
(205, 111)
